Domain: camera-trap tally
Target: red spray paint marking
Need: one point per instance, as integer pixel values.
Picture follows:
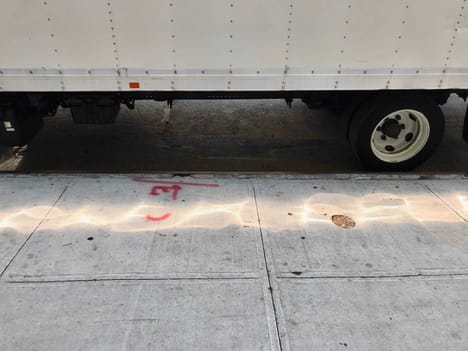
(158, 219)
(174, 187)
(165, 189)
(141, 180)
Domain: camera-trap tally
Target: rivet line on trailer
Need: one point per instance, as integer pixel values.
(288, 45)
(346, 37)
(54, 46)
(173, 38)
(399, 37)
(114, 43)
(230, 39)
(453, 40)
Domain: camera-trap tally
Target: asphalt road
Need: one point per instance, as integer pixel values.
(214, 136)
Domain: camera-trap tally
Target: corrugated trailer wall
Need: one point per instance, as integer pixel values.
(185, 45)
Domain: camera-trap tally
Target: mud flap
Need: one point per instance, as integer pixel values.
(18, 125)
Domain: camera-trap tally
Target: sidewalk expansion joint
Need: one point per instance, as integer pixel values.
(92, 280)
(377, 277)
(268, 272)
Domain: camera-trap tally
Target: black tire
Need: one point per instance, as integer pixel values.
(465, 127)
(368, 116)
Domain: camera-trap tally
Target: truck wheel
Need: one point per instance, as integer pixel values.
(396, 132)
(465, 127)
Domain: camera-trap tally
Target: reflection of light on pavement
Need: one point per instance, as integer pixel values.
(201, 215)
(141, 210)
(388, 208)
(5, 223)
(464, 202)
(372, 207)
(19, 218)
(275, 215)
(309, 214)
(85, 218)
(376, 207)
(36, 211)
(122, 219)
(231, 209)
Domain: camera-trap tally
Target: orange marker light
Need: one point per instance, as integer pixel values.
(134, 85)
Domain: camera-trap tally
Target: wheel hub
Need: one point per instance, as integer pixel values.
(392, 128)
(400, 136)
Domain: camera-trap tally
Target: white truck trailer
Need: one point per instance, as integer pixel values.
(389, 63)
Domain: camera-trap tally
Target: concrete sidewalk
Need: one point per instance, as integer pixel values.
(226, 263)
